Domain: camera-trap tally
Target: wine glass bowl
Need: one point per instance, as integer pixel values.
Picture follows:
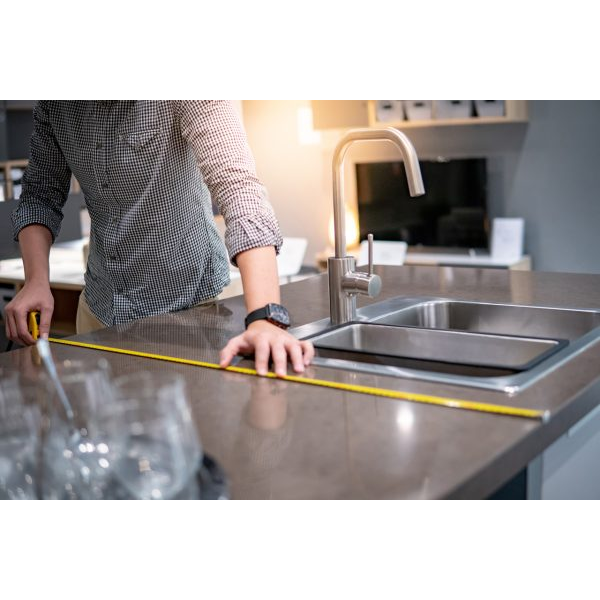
(78, 453)
(18, 441)
(133, 437)
(154, 435)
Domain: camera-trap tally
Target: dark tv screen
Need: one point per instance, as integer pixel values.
(451, 214)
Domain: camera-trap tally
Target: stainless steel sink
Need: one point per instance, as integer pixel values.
(478, 349)
(503, 319)
(502, 347)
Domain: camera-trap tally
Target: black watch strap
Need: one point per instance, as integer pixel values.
(274, 313)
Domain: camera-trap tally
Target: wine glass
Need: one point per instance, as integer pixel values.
(18, 441)
(158, 447)
(77, 465)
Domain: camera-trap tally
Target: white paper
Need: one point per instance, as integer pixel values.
(507, 238)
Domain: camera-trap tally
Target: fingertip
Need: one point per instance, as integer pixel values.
(26, 340)
(306, 358)
(299, 367)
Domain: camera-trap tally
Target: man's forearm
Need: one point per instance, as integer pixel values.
(258, 269)
(265, 340)
(35, 242)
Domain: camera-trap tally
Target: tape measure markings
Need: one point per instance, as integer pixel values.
(361, 389)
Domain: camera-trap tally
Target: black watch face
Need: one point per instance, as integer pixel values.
(278, 313)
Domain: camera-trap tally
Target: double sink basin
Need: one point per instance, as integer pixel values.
(503, 347)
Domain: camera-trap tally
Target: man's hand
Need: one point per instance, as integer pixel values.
(268, 340)
(33, 296)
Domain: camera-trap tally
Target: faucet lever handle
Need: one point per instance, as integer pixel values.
(370, 243)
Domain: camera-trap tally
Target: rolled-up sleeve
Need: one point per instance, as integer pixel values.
(46, 180)
(214, 131)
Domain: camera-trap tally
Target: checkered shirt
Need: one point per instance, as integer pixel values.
(149, 171)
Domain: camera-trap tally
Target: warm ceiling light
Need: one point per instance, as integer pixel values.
(306, 134)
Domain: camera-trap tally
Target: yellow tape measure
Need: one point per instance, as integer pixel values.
(513, 411)
(33, 324)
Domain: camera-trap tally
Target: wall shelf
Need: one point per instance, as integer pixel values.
(345, 114)
(6, 168)
(516, 112)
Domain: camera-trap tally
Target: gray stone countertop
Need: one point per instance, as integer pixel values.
(279, 439)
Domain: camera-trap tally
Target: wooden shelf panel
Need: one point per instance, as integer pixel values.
(447, 122)
(516, 112)
(344, 114)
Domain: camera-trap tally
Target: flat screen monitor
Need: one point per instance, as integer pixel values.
(451, 214)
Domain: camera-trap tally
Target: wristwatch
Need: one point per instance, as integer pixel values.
(274, 313)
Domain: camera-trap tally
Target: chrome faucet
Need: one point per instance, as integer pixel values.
(344, 281)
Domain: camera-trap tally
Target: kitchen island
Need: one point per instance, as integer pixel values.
(279, 439)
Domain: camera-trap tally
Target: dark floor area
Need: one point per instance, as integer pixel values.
(515, 489)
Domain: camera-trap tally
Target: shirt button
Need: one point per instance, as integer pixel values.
(112, 257)
(115, 219)
(120, 290)
(99, 146)
(105, 185)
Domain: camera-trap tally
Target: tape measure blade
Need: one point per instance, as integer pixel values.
(501, 409)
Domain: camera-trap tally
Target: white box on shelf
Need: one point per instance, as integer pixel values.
(452, 109)
(417, 110)
(489, 108)
(507, 239)
(389, 110)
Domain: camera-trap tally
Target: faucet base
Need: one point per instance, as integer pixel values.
(342, 304)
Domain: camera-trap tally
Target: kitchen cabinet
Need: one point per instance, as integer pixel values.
(564, 471)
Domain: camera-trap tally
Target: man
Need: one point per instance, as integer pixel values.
(148, 170)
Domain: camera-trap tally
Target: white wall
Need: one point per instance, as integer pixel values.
(292, 172)
(554, 183)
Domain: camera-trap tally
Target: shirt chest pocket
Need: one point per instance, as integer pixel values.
(139, 140)
(136, 160)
